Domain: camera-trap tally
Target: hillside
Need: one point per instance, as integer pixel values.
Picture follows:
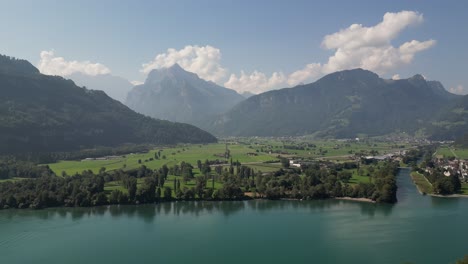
(452, 122)
(49, 113)
(177, 95)
(114, 86)
(342, 104)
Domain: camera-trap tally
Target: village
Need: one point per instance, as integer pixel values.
(452, 166)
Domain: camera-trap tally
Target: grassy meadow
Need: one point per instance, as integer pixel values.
(422, 183)
(450, 151)
(175, 155)
(260, 154)
(253, 152)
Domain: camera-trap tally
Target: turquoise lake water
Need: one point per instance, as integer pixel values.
(418, 229)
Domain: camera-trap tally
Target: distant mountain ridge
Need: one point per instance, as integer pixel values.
(342, 104)
(114, 86)
(49, 113)
(177, 95)
(452, 121)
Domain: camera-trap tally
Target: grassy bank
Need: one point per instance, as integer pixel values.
(464, 189)
(422, 183)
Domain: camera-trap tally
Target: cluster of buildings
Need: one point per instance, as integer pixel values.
(389, 156)
(456, 166)
(294, 163)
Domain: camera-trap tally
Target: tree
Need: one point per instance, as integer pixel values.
(99, 199)
(200, 184)
(147, 191)
(115, 196)
(167, 193)
(132, 188)
(205, 167)
(118, 197)
(285, 162)
(158, 194)
(187, 194)
(212, 182)
(164, 170)
(345, 176)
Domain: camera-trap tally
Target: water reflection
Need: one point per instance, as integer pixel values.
(376, 209)
(445, 203)
(227, 208)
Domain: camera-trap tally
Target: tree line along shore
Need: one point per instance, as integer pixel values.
(143, 185)
(28, 184)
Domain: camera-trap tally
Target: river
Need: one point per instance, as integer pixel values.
(418, 229)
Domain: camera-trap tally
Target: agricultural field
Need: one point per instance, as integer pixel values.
(261, 154)
(450, 151)
(169, 157)
(326, 149)
(462, 153)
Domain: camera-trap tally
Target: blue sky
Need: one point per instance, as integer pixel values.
(266, 44)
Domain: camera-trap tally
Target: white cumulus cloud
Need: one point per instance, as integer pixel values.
(357, 35)
(312, 70)
(204, 61)
(396, 77)
(357, 46)
(459, 89)
(256, 82)
(370, 47)
(52, 65)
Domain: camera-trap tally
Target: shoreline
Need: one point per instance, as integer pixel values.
(456, 195)
(246, 198)
(346, 198)
(367, 200)
(448, 196)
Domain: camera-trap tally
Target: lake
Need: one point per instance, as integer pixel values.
(418, 229)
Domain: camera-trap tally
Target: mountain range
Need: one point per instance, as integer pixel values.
(177, 95)
(343, 104)
(49, 113)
